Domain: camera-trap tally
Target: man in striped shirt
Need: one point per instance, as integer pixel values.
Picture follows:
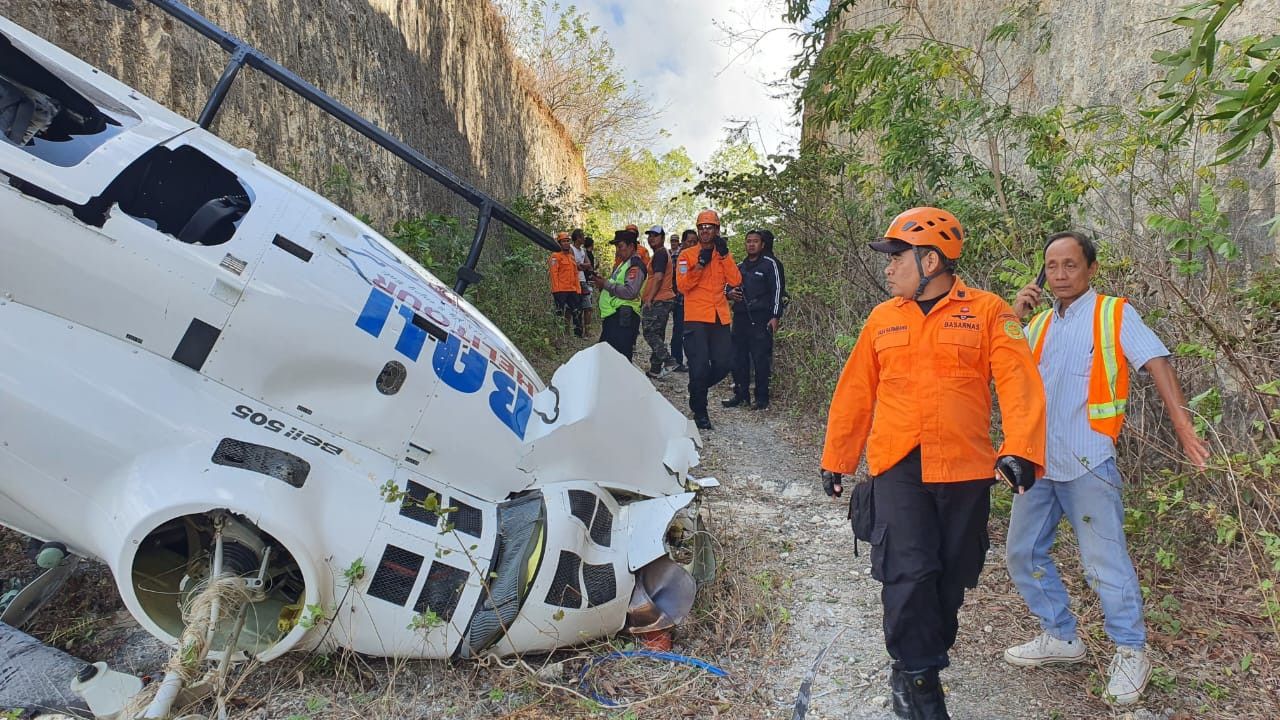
(1081, 345)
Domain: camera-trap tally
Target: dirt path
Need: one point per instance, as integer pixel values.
(767, 463)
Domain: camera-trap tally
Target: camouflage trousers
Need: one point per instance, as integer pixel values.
(653, 323)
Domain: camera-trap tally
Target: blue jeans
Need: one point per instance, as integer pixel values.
(1092, 504)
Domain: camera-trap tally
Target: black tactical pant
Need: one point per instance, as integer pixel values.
(677, 331)
(752, 350)
(569, 306)
(620, 330)
(709, 348)
(929, 543)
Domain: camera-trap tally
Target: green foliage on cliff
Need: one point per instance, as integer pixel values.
(899, 116)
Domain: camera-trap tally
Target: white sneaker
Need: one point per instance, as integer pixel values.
(1045, 649)
(1130, 671)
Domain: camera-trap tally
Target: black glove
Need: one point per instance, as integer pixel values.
(722, 246)
(704, 257)
(832, 483)
(1020, 473)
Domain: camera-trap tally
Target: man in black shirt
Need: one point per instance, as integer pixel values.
(757, 308)
(686, 240)
(657, 303)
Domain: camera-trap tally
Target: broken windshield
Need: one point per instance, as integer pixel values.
(46, 117)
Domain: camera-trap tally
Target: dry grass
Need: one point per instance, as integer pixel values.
(737, 625)
(1211, 643)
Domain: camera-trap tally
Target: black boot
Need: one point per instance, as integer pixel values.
(702, 421)
(925, 695)
(735, 402)
(901, 695)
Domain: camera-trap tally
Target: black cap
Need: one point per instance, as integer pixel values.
(627, 236)
(889, 245)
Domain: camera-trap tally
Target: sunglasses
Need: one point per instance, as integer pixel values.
(707, 226)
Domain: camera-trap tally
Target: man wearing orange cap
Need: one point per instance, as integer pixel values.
(641, 250)
(703, 272)
(565, 290)
(915, 394)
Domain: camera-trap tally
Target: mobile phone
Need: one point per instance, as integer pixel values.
(1040, 279)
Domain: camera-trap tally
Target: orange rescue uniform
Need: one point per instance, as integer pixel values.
(703, 287)
(564, 272)
(916, 380)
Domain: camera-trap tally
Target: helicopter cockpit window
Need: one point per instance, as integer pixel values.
(181, 192)
(48, 118)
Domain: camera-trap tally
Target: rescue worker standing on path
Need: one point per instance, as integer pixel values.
(757, 308)
(703, 273)
(687, 240)
(656, 304)
(915, 393)
(1081, 345)
(620, 296)
(563, 269)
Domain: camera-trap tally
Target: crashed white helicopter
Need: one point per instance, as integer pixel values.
(207, 370)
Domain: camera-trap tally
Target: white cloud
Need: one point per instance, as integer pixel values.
(677, 52)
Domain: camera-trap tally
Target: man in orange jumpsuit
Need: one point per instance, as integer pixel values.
(703, 273)
(915, 394)
(565, 290)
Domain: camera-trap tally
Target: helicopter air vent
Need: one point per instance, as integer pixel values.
(602, 525)
(412, 504)
(565, 591)
(396, 574)
(233, 264)
(269, 461)
(600, 582)
(582, 504)
(441, 592)
(466, 519)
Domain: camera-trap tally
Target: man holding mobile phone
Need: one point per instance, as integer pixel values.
(1081, 345)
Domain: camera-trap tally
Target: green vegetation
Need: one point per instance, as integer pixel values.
(897, 116)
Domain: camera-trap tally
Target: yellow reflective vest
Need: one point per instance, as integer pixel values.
(1109, 375)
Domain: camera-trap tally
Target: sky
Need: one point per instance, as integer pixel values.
(676, 49)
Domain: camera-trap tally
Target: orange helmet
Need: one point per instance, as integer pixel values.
(707, 217)
(562, 235)
(632, 227)
(924, 227)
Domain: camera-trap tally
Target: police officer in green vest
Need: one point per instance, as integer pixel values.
(620, 295)
(1084, 345)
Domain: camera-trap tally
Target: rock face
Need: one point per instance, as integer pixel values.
(1082, 53)
(439, 74)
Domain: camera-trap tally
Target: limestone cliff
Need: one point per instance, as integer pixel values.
(1079, 53)
(438, 73)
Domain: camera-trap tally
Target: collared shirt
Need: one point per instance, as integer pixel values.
(703, 286)
(917, 380)
(1066, 360)
(580, 256)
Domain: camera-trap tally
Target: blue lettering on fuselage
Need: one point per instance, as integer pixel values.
(510, 403)
(464, 371)
(445, 362)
